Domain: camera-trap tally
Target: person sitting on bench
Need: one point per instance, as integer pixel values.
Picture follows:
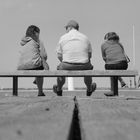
(114, 55)
(33, 55)
(74, 52)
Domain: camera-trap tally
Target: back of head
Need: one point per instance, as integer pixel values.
(31, 30)
(73, 24)
(111, 36)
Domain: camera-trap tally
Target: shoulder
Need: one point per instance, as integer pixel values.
(84, 38)
(120, 44)
(64, 38)
(32, 44)
(103, 44)
(41, 43)
(82, 35)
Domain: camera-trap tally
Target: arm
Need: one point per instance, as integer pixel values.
(127, 58)
(103, 53)
(89, 51)
(45, 64)
(43, 56)
(59, 52)
(43, 52)
(60, 57)
(89, 55)
(121, 46)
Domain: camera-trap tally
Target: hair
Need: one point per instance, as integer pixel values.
(111, 36)
(77, 27)
(31, 30)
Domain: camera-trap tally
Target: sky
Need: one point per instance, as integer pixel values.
(95, 18)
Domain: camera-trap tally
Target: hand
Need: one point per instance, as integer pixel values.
(45, 65)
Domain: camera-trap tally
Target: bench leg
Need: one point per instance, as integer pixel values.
(114, 85)
(15, 86)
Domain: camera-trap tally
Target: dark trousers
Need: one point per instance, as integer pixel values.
(118, 66)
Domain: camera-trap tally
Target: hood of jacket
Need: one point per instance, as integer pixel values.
(25, 40)
(112, 42)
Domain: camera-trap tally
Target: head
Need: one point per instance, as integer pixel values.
(111, 36)
(72, 24)
(33, 32)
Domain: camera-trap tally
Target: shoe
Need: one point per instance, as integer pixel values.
(59, 93)
(93, 86)
(34, 82)
(41, 94)
(124, 86)
(109, 94)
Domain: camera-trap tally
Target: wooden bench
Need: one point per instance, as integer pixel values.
(92, 73)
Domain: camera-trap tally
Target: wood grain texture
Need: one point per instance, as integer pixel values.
(93, 73)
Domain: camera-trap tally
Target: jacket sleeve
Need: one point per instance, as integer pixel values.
(43, 52)
(121, 46)
(103, 52)
(89, 50)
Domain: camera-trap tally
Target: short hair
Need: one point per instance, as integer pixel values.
(77, 27)
(30, 32)
(73, 24)
(111, 36)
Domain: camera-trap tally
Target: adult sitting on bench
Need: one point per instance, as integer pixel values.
(74, 52)
(33, 55)
(114, 56)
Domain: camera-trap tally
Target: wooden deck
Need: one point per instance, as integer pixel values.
(51, 117)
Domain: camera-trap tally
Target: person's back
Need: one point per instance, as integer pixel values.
(74, 52)
(114, 56)
(75, 47)
(112, 52)
(30, 54)
(33, 55)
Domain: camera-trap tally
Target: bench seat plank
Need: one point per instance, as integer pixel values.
(93, 73)
(46, 118)
(90, 73)
(109, 119)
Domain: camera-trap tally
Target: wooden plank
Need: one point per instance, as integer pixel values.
(109, 119)
(41, 118)
(93, 73)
